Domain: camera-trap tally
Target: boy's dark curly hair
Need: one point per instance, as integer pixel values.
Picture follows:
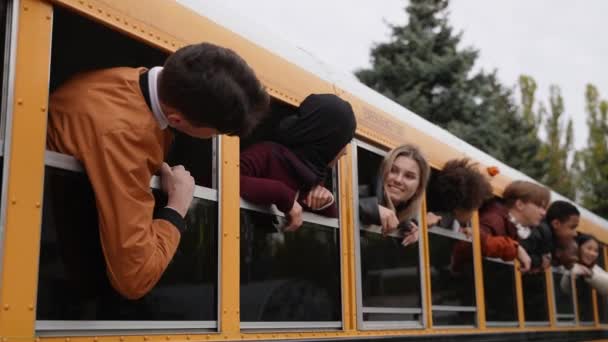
(459, 185)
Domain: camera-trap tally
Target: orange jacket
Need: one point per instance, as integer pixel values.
(498, 235)
(101, 118)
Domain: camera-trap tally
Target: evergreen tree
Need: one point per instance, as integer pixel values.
(592, 162)
(423, 69)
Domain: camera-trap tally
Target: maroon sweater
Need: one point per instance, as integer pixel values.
(498, 234)
(270, 175)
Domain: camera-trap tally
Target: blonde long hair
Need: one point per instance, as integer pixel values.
(411, 207)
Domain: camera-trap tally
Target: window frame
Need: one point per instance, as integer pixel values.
(423, 310)
(307, 217)
(89, 327)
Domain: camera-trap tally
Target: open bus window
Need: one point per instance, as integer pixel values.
(452, 272)
(289, 280)
(499, 290)
(536, 309)
(389, 274)
(73, 285)
(564, 301)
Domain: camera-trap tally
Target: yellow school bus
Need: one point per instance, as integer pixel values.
(234, 276)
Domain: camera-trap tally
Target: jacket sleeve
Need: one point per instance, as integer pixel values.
(368, 211)
(501, 247)
(496, 246)
(599, 280)
(256, 187)
(136, 247)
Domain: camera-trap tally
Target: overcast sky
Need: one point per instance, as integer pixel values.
(559, 42)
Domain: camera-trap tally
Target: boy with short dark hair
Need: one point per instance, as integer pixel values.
(556, 231)
(115, 122)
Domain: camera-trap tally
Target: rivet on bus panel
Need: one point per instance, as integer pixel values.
(145, 338)
(67, 339)
(168, 338)
(20, 101)
(187, 337)
(30, 307)
(6, 307)
(122, 338)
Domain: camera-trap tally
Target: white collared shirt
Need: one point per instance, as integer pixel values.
(160, 116)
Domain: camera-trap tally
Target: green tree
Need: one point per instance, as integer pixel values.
(592, 162)
(423, 68)
(556, 151)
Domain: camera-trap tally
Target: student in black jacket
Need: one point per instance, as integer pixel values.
(556, 230)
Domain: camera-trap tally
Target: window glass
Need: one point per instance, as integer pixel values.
(499, 291)
(390, 274)
(72, 281)
(73, 285)
(585, 301)
(535, 297)
(288, 277)
(452, 279)
(564, 305)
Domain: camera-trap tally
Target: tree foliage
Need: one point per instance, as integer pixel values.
(556, 150)
(423, 68)
(592, 162)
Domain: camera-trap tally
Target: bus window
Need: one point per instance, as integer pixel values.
(536, 310)
(499, 290)
(73, 285)
(389, 275)
(564, 301)
(289, 280)
(452, 273)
